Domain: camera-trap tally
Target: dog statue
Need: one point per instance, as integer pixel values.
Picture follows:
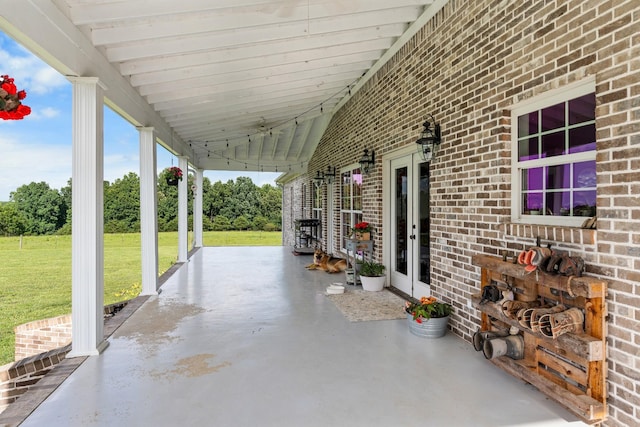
(325, 262)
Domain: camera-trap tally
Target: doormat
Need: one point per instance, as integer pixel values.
(361, 306)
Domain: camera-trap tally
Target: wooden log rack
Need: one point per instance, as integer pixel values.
(571, 369)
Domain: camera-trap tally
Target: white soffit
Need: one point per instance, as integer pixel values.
(244, 84)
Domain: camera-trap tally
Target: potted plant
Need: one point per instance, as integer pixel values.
(173, 175)
(362, 231)
(428, 317)
(372, 276)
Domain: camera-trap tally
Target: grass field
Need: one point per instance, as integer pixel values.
(35, 275)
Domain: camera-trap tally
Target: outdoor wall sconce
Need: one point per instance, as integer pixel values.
(367, 161)
(319, 178)
(325, 177)
(330, 174)
(429, 138)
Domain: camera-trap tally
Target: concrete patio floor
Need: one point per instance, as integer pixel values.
(244, 336)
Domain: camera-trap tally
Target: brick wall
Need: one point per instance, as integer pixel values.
(469, 66)
(42, 335)
(296, 204)
(17, 378)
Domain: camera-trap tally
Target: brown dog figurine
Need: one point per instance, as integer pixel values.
(325, 262)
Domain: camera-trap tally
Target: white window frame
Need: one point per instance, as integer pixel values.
(563, 94)
(316, 211)
(352, 212)
(304, 208)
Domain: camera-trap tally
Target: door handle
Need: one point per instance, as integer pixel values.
(412, 237)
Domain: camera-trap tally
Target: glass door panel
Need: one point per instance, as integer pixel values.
(423, 231)
(401, 220)
(401, 255)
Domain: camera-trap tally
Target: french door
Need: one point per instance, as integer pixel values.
(410, 242)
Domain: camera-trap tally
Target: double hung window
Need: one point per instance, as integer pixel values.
(554, 159)
(316, 207)
(350, 201)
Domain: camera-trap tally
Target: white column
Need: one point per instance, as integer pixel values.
(183, 213)
(87, 253)
(148, 211)
(197, 210)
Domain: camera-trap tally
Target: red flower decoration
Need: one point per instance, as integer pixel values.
(176, 172)
(10, 106)
(362, 226)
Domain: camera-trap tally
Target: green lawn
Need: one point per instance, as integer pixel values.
(35, 275)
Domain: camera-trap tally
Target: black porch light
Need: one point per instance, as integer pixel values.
(429, 138)
(319, 178)
(367, 161)
(330, 174)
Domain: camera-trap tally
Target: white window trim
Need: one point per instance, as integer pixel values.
(539, 102)
(347, 168)
(316, 211)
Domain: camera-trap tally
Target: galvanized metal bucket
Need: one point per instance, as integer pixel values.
(435, 327)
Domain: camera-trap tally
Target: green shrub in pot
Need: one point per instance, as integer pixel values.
(371, 269)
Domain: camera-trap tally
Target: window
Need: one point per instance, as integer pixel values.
(554, 158)
(350, 201)
(303, 207)
(316, 208)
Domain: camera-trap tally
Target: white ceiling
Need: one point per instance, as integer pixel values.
(247, 84)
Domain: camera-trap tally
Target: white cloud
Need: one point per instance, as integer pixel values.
(30, 73)
(43, 113)
(46, 80)
(118, 165)
(258, 178)
(24, 162)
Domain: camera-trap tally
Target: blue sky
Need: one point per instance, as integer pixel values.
(38, 148)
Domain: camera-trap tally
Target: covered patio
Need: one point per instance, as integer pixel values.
(246, 336)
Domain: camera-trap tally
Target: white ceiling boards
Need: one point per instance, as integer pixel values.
(233, 84)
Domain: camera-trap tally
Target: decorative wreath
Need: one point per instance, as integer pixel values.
(11, 107)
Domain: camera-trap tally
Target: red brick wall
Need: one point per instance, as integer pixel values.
(42, 335)
(469, 66)
(17, 378)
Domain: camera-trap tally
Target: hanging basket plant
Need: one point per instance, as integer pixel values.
(173, 175)
(11, 107)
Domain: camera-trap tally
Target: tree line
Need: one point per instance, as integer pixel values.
(37, 209)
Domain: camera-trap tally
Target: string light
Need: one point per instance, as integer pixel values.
(320, 105)
(257, 166)
(295, 120)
